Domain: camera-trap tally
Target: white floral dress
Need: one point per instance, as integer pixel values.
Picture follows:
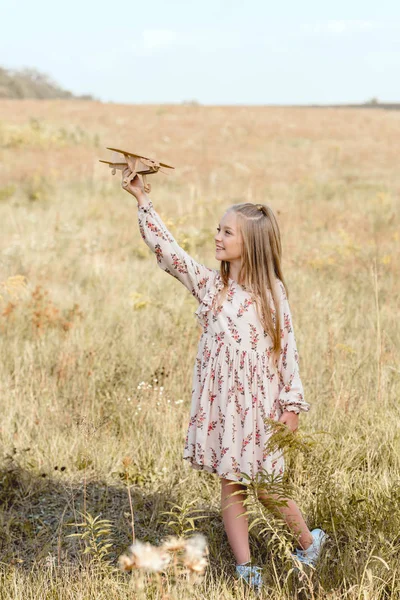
(236, 385)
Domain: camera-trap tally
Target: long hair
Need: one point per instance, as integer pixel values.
(261, 264)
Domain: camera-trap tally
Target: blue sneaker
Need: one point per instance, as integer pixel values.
(311, 555)
(252, 575)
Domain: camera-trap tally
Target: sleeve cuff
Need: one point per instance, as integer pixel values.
(145, 207)
(296, 408)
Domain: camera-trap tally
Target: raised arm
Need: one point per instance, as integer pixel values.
(291, 395)
(171, 258)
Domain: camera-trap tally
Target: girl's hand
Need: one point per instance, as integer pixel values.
(290, 419)
(135, 187)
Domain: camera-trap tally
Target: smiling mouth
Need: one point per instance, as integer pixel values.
(218, 248)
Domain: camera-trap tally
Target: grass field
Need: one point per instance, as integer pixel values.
(97, 344)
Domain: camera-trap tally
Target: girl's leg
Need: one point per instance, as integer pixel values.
(292, 515)
(237, 529)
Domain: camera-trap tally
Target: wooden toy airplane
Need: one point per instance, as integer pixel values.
(139, 165)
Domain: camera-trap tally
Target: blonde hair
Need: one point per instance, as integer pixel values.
(261, 264)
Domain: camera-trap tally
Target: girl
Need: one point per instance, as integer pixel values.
(246, 369)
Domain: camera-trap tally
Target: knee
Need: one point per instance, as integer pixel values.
(263, 495)
(230, 485)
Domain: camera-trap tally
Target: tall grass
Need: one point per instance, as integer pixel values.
(97, 344)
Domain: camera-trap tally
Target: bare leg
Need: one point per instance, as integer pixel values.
(293, 517)
(237, 529)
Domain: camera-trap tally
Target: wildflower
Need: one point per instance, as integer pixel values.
(144, 556)
(197, 545)
(50, 560)
(125, 563)
(173, 544)
(195, 553)
(127, 461)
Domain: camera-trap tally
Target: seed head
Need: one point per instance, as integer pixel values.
(144, 556)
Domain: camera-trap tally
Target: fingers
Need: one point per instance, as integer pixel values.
(133, 186)
(125, 174)
(286, 420)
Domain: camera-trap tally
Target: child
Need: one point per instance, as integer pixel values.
(246, 368)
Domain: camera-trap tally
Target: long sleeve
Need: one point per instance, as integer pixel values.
(291, 394)
(171, 258)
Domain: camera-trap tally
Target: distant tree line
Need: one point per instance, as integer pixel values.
(31, 83)
(372, 103)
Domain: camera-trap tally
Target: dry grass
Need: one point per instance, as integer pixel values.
(97, 349)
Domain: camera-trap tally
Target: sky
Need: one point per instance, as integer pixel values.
(253, 52)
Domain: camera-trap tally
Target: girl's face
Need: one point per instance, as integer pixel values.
(228, 239)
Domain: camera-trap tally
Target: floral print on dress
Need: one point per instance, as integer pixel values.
(206, 356)
(233, 331)
(237, 385)
(287, 323)
(230, 294)
(221, 419)
(214, 459)
(244, 307)
(246, 442)
(211, 397)
(216, 313)
(211, 427)
(253, 336)
(234, 433)
(230, 394)
(201, 417)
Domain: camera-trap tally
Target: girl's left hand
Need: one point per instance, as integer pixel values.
(290, 419)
